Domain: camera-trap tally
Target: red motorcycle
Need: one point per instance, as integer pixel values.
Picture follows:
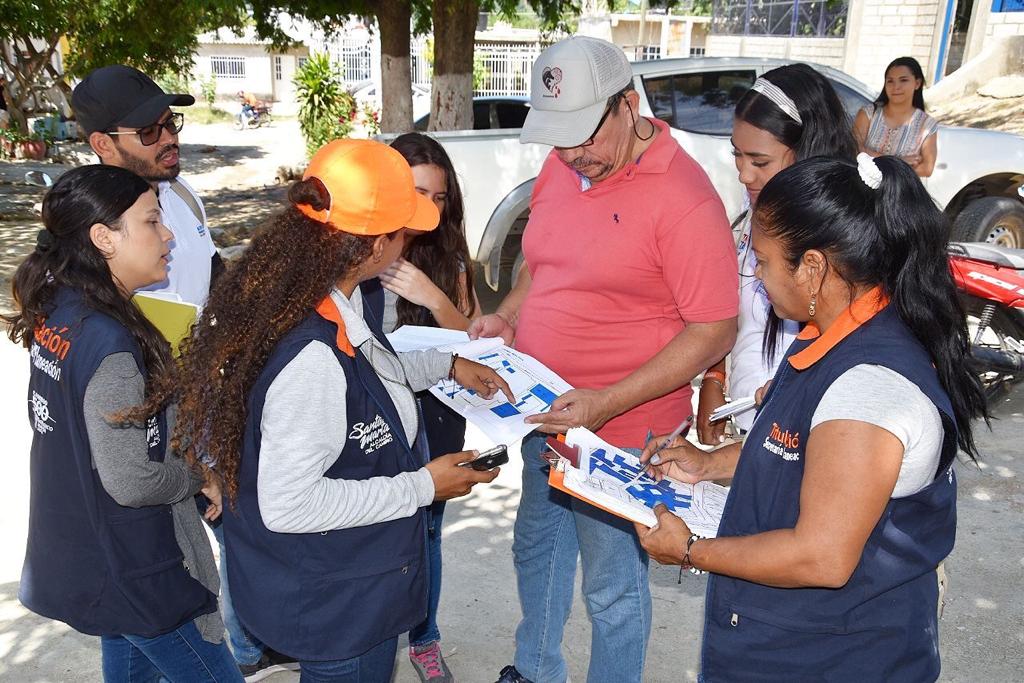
(991, 283)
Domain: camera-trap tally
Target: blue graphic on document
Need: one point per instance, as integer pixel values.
(646, 490)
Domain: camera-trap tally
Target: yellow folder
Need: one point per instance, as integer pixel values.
(173, 318)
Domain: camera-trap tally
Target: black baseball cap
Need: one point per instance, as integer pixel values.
(119, 95)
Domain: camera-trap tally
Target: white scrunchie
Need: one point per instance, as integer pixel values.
(869, 171)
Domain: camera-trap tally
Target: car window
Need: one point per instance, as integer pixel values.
(481, 115)
(511, 114)
(852, 100)
(701, 102)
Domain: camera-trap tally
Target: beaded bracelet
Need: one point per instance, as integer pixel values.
(686, 563)
(451, 370)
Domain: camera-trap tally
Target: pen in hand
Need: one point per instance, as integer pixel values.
(682, 430)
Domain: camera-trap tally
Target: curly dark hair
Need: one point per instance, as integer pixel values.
(441, 254)
(289, 268)
(81, 198)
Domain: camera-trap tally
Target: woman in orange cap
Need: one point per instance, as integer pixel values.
(291, 388)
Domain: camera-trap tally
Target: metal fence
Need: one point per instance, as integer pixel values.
(355, 56)
(504, 68)
(793, 18)
(499, 68)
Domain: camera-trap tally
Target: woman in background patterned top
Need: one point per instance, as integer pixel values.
(896, 123)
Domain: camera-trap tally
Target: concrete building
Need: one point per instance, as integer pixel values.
(862, 36)
(244, 62)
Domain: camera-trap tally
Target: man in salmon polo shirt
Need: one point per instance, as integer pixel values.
(629, 290)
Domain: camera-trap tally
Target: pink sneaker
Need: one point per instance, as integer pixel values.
(429, 664)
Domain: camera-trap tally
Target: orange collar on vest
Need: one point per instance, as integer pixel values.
(328, 310)
(859, 312)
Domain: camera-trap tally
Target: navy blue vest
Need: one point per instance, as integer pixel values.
(101, 568)
(331, 595)
(880, 626)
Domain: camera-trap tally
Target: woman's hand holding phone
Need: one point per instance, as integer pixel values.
(452, 481)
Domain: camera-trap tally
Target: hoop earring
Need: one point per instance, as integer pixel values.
(811, 308)
(636, 121)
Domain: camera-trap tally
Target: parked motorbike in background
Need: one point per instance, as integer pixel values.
(990, 280)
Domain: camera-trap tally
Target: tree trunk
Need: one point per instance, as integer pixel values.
(394, 17)
(451, 102)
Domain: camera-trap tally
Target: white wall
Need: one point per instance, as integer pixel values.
(1002, 24)
(879, 31)
(828, 51)
(258, 69)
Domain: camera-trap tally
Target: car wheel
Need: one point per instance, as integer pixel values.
(996, 220)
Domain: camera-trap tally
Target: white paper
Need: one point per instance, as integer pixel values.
(740, 405)
(420, 338)
(603, 469)
(533, 385)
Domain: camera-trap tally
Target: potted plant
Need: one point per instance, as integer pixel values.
(32, 146)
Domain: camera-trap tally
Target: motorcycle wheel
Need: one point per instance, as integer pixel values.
(239, 125)
(1004, 332)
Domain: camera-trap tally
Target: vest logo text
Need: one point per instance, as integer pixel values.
(783, 443)
(372, 436)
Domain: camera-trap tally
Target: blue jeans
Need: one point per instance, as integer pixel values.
(427, 632)
(552, 529)
(373, 666)
(246, 647)
(179, 656)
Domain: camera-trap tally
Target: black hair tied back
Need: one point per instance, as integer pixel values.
(310, 191)
(45, 241)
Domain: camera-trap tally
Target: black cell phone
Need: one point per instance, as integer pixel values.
(488, 460)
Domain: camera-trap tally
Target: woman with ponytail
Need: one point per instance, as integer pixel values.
(116, 547)
(843, 498)
(790, 113)
(290, 386)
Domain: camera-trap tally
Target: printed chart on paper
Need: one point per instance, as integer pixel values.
(534, 386)
(605, 470)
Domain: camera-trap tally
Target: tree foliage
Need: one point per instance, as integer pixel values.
(153, 36)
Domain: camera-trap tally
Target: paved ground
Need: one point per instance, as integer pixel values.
(982, 632)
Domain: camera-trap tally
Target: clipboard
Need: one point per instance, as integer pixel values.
(171, 316)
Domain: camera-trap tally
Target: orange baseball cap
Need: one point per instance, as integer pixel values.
(371, 189)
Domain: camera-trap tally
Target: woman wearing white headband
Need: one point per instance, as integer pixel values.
(790, 113)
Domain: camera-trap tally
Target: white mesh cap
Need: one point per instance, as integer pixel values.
(569, 89)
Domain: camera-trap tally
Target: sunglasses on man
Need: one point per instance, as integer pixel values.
(615, 99)
(150, 135)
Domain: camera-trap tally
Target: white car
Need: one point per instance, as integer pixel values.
(367, 92)
(976, 179)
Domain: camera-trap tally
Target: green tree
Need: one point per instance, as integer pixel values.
(155, 37)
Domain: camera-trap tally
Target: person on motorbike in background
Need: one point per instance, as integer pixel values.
(249, 104)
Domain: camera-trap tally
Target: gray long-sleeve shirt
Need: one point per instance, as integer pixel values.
(305, 428)
(121, 458)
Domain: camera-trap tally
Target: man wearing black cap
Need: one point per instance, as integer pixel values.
(130, 124)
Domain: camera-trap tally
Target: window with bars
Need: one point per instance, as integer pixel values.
(228, 67)
(278, 75)
(794, 18)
